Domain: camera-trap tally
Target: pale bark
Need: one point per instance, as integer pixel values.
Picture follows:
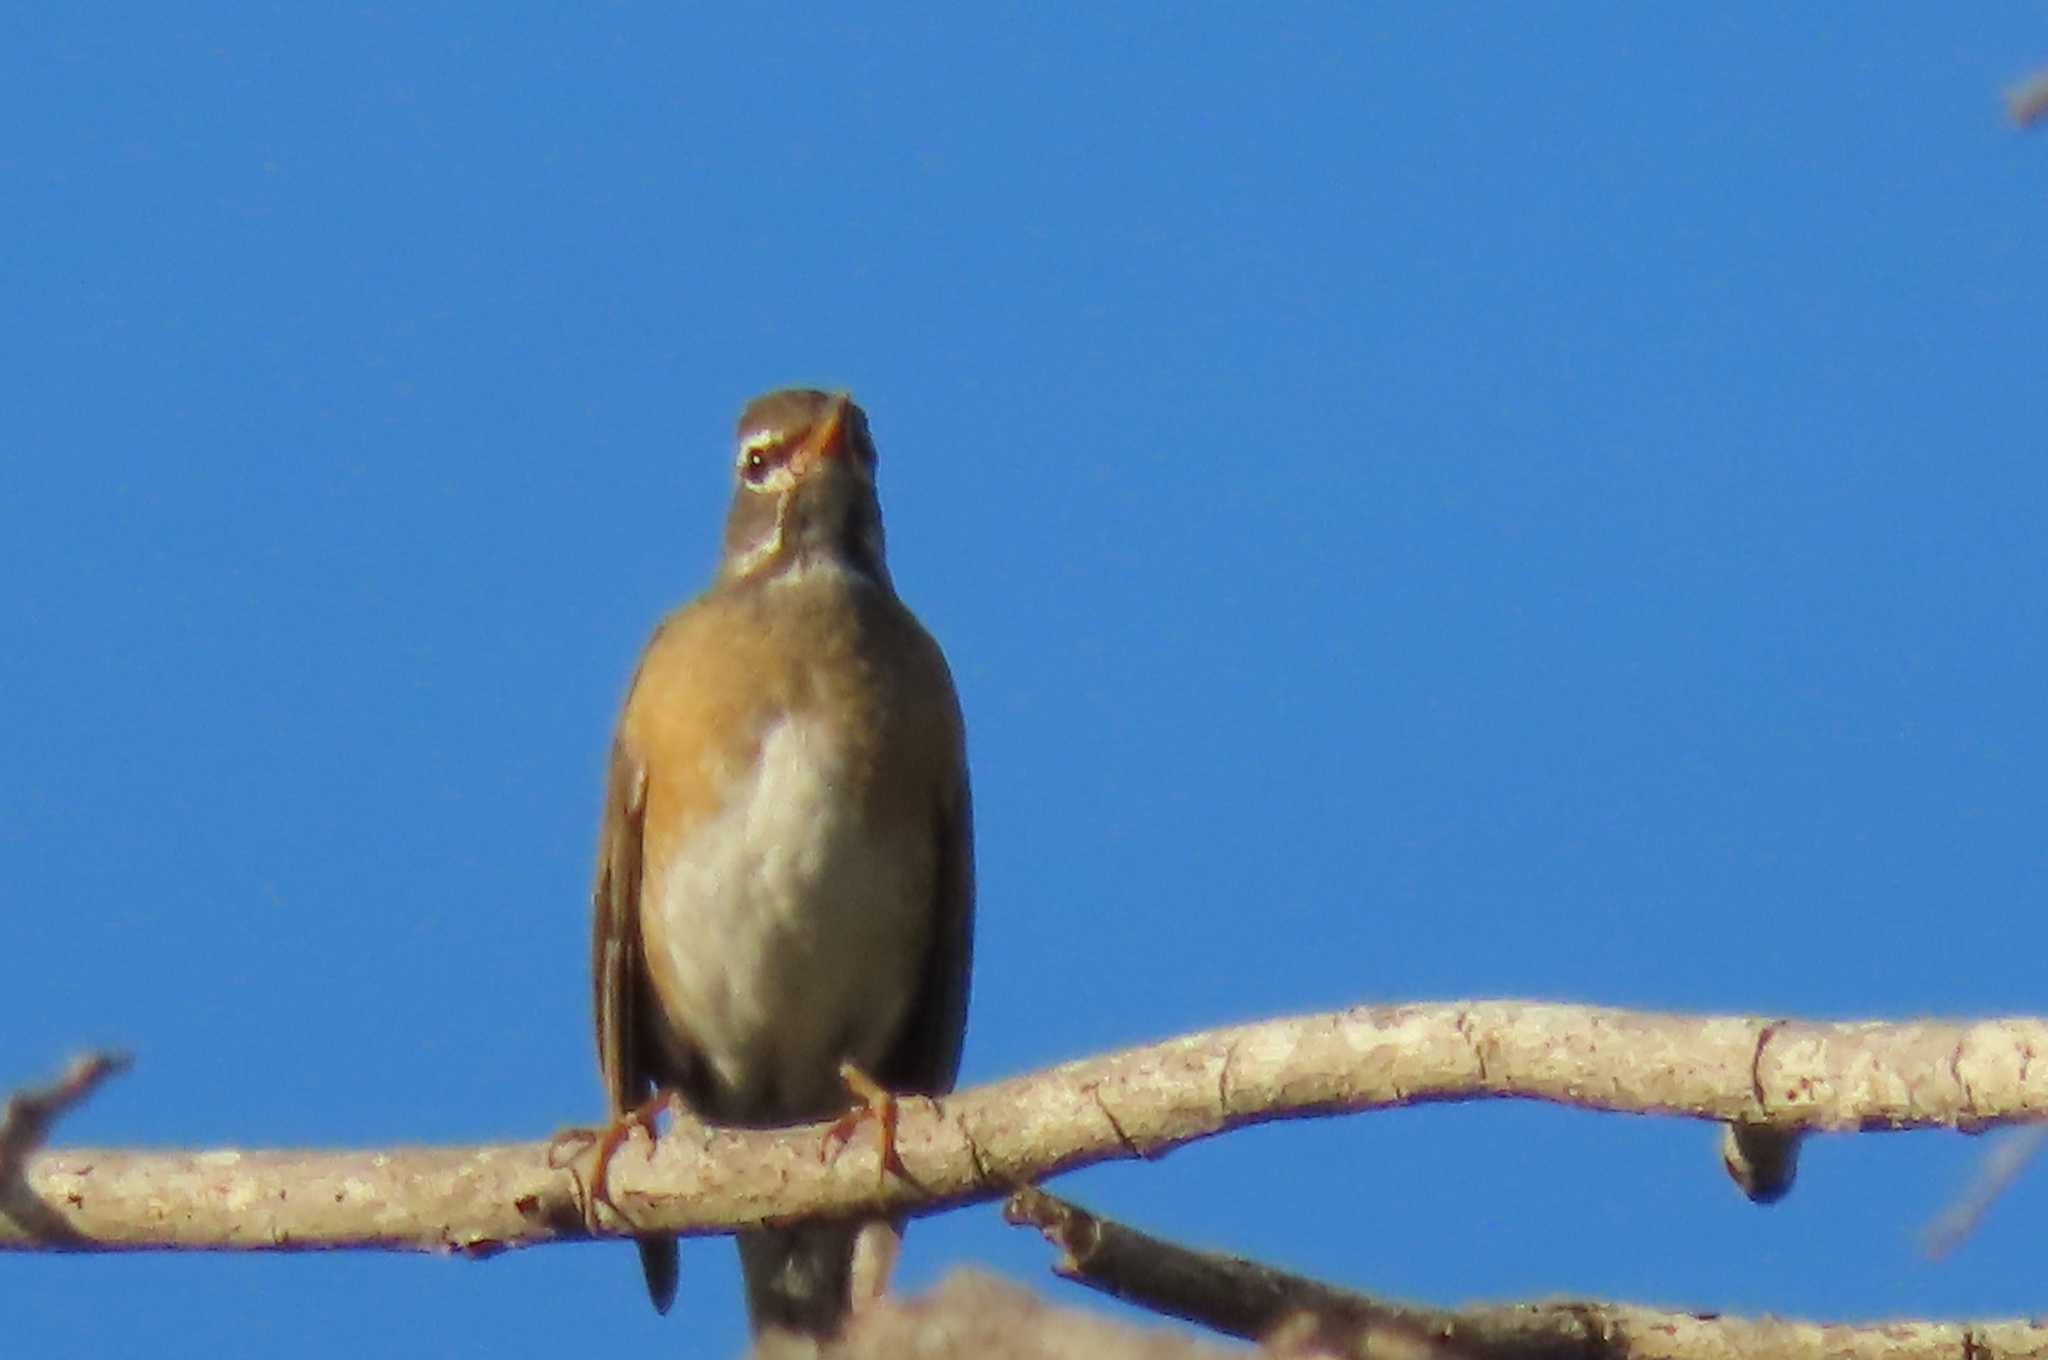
(1775, 1080)
(1785, 1075)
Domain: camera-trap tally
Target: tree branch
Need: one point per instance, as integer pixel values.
(1782, 1075)
(1296, 1315)
(26, 1120)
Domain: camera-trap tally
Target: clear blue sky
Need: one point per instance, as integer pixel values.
(1420, 505)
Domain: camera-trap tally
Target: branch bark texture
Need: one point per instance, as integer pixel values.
(980, 1144)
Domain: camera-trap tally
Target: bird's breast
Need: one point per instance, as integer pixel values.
(786, 930)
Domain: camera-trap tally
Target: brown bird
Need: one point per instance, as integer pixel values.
(785, 877)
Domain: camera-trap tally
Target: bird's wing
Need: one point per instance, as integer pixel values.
(616, 967)
(618, 973)
(927, 1056)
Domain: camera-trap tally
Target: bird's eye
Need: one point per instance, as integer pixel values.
(754, 467)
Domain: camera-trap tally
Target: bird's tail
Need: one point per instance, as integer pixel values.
(807, 1280)
(658, 1264)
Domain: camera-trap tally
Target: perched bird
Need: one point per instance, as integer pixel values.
(785, 877)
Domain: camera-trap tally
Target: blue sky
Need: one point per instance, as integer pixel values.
(1420, 504)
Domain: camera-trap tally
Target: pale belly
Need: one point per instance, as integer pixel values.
(798, 933)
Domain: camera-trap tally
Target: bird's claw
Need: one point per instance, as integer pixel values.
(608, 1139)
(871, 1101)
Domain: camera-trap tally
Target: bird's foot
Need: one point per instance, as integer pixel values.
(872, 1101)
(570, 1144)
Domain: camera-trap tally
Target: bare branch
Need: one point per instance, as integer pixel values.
(26, 1121)
(1229, 1293)
(1790, 1076)
(1294, 1314)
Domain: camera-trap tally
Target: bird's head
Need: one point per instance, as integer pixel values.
(805, 494)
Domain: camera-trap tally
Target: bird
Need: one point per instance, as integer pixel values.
(785, 878)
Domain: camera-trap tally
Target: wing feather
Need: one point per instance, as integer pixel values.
(926, 1058)
(616, 966)
(620, 979)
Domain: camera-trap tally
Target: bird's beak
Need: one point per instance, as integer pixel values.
(827, 437)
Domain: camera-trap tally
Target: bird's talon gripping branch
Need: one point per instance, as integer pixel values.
(872, 1101)
(608, 1139)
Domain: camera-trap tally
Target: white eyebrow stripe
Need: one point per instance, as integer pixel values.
(760, 439)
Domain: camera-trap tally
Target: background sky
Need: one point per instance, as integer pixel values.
(1420, 503)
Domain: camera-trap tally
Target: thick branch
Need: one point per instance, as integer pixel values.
(983, 1143)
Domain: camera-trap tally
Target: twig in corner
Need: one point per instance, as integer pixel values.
(2001, 1168)
(1232, 1295)
(26, 1121)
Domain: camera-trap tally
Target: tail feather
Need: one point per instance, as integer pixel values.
(658, 1264)
(808, 1280)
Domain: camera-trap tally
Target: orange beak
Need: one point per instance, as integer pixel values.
(824, 440)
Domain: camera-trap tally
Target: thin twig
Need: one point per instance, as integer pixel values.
(2002, 1166)
(29, 1114)
(1229, 1293)
(1294, 1313)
